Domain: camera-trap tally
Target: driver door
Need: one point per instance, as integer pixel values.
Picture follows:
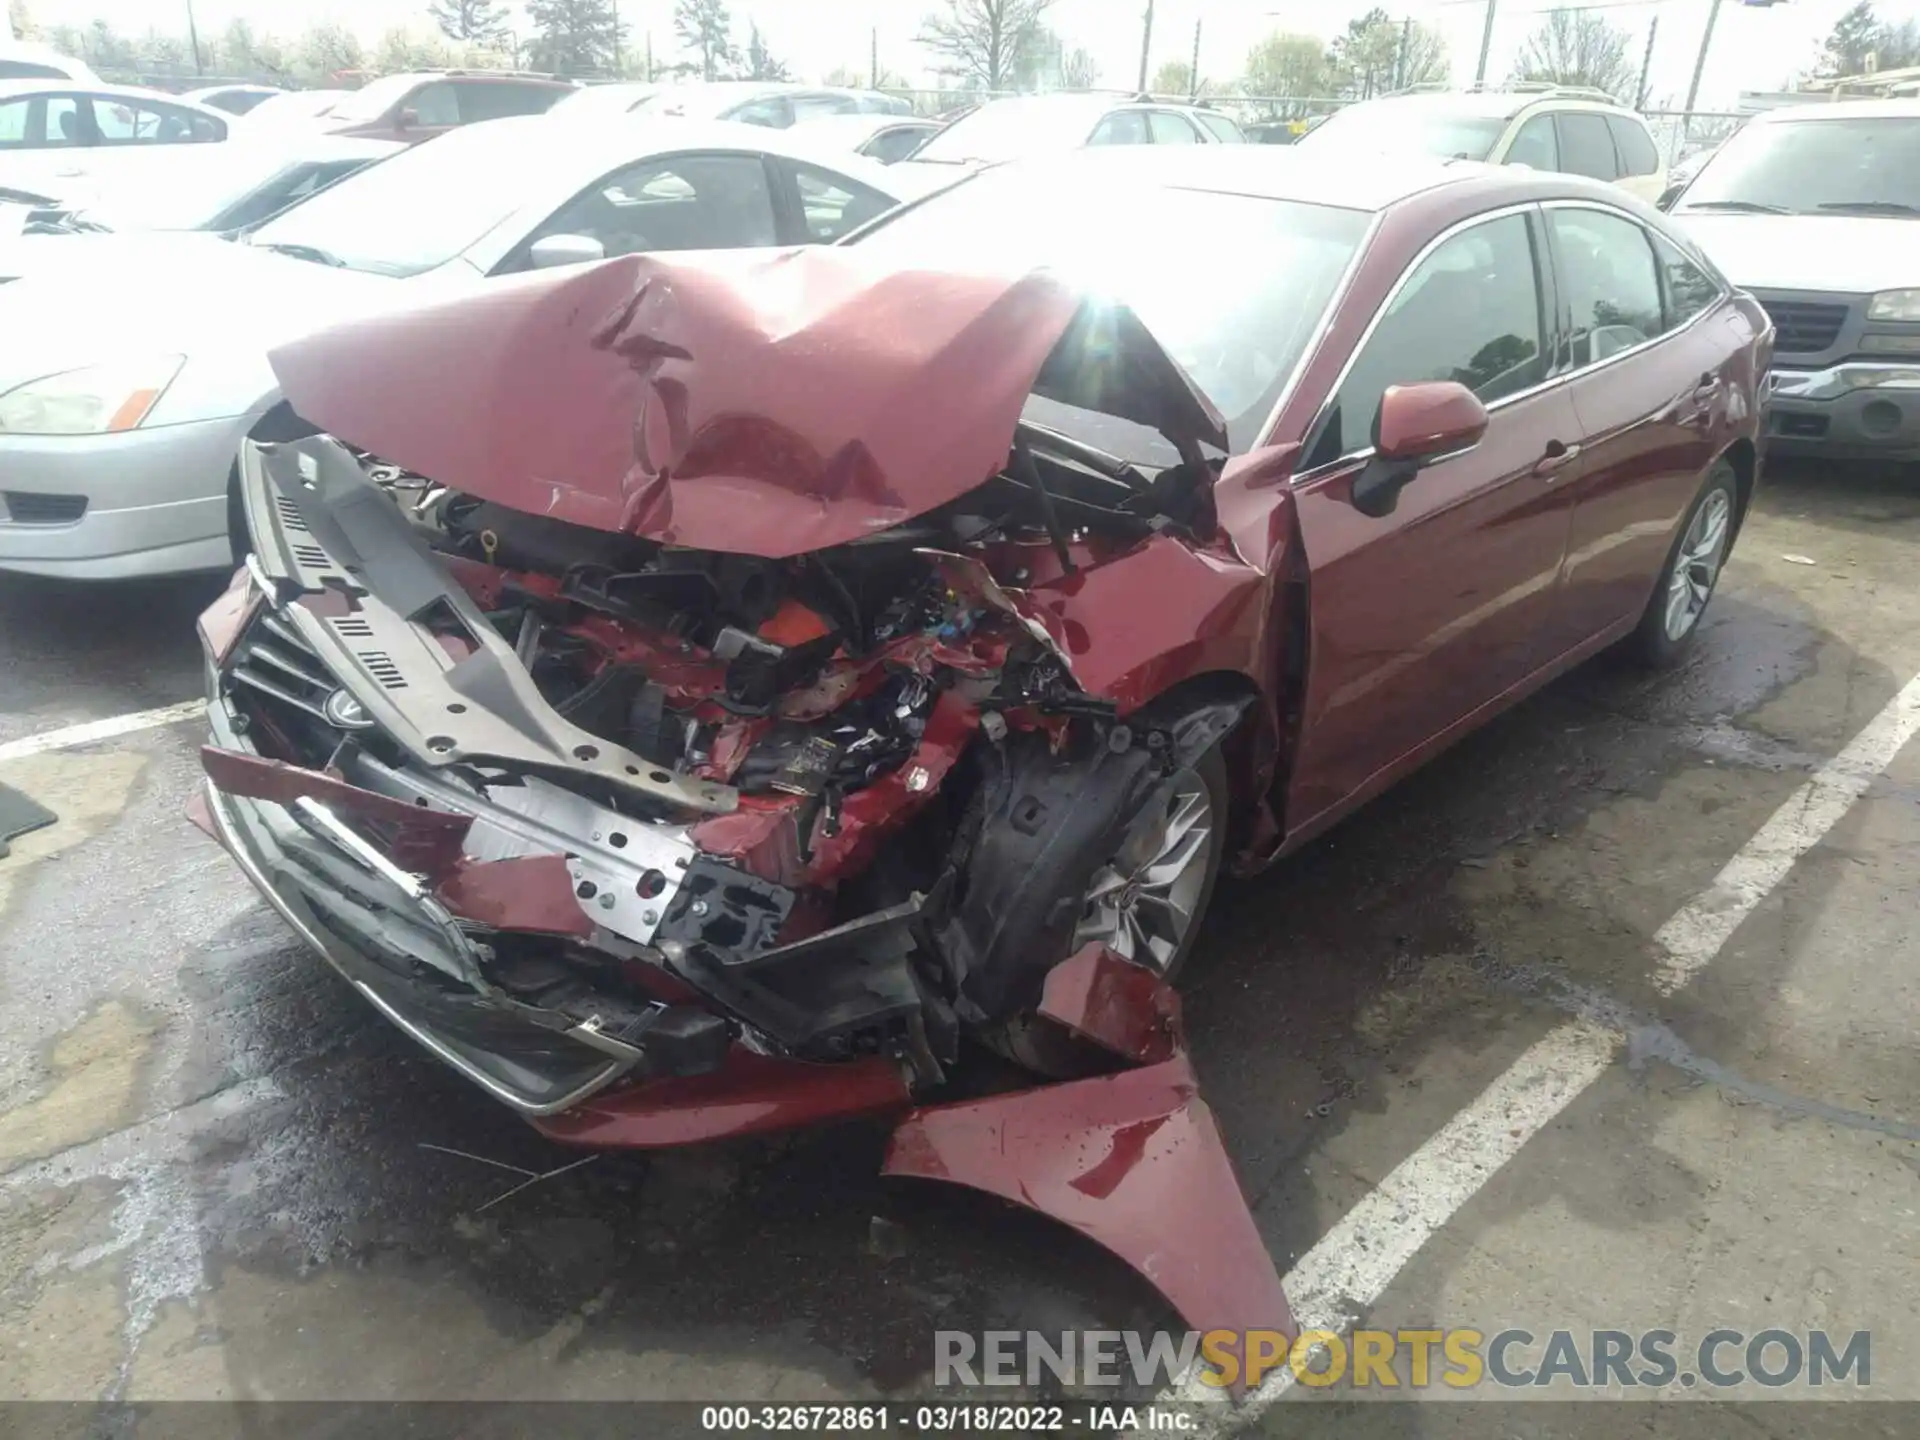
(1424, 619)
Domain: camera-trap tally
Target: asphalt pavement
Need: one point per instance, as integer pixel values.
(223, 1176)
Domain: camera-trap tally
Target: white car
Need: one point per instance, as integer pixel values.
(886, 138)
(1573, 130)
(293, 108)
(1815, 209)
(227, 189)
(234, 99)
(55, 138)
(136, 365)
(25, 60)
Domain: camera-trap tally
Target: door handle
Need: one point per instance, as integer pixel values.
(1558, 456)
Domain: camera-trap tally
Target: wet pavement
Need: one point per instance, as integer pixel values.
(222, 1176)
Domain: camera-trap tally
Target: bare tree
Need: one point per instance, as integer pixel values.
(761, 64)
(469, 20)
(705, 27)
(1079, 70)
(983, 41)
(23, 26)
(1576, 48)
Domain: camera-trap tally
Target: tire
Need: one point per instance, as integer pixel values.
(1046, 1048)
(1695, 560)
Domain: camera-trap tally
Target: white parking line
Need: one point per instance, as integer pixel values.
(96, 730)
(1350, 1267)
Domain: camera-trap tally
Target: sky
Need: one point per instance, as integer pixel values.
(1753, 48)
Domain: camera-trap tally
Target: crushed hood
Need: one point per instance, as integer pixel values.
(767, 403)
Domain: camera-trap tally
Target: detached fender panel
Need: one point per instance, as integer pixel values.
(1132, 1161)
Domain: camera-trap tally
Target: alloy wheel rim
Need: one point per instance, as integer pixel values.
(1144, 902)
(1697, 566)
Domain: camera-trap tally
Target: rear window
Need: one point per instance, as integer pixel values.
(1220, 127)
(1586, 145)
(1634, 146)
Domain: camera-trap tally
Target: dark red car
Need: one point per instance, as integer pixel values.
(698, 695)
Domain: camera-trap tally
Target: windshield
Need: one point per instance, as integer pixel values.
(1231, 286)
(374, 100)
(1408, 129)
(423, 206)
(1815, 167)
(1007, 129)
(188, 196)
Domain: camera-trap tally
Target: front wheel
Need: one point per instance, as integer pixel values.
(1692, 570)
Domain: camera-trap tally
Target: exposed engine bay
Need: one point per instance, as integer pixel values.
(877, 772)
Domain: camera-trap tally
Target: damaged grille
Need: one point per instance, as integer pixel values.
(273, 660)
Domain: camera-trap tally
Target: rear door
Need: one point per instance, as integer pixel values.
(1645, 340)
(1586, 145)
(1428, 615)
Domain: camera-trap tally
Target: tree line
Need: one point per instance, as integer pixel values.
(972, 45)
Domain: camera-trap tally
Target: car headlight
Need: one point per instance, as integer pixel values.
(98, 400)
(1895, 305)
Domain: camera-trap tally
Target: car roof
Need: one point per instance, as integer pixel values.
(600, 148)
(14, 89)
(1493, 104)
(1841, 110)
(844, 128)
(1282, 172)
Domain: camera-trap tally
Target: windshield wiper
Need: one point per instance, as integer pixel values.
(301, 252)
(1872, 207)
(1743, 207)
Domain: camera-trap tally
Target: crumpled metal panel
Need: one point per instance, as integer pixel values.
(761, 403)
(1132, 1161)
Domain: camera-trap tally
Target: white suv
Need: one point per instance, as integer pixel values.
(1578, 131)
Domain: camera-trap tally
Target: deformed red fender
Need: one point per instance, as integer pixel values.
(1132, 1161)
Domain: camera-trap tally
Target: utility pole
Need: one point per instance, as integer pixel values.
(1400, 60)
(1646, 65)
(1146, 45)
(193, 37)
(1193, 76)
(1700, 61)
(1486, 44)
(873, 60)
(649, 57)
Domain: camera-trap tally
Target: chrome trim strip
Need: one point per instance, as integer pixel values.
(231, 840)
(267, 687)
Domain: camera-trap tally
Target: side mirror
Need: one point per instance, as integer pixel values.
(1668, 196)
(1417, 425)
(552, 250)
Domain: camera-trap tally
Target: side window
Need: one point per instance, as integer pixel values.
(773, 112)
(206, 128)
(896, 144)
(1168, 128)
(813, 107)
(1122, 127)
(1634, 146)
(67, 121)
(1469, 312)
(1586, 145)
(1222, 128)
(13, 124)
(1690, 289)
(493, 99)
(124, 123)
(1607, 282)
(833, 205)
(1535, 145)
(435, 104)
(685, 202)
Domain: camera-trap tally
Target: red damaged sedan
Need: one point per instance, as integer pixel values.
(693, 695)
